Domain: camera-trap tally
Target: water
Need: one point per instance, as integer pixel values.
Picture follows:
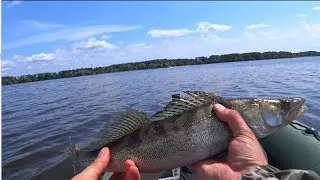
(37, 117)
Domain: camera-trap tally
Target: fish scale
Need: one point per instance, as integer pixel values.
(212, 132)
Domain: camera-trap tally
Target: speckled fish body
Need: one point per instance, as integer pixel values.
(184, 132)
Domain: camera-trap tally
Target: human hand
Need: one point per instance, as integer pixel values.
(95, 171)
(244, 152)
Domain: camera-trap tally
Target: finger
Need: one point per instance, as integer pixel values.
(128, 163)
(218, 158)
(210, 168)
(127, 168)
(101, 163)
(198, 167)
(233, 118)
(131, 171)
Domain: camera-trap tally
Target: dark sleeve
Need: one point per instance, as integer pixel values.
(269, 172)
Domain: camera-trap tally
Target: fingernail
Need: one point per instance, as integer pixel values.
(219, 107)
(103, 151)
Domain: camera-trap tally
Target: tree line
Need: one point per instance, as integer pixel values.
(157, 63)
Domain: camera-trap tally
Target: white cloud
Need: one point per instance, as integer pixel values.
(69, 34)
(259, 39)
(139, 47)
(313, 29)
(29, 67)
(105, 37)
(6, 65)
(205, 27)
(40, 25)
(256, 26)
(93, 43)
(157, 33)
(100, 52)
(316, 8)
(265, 35)
(61, 64)
(120, 42)
(75, 55)
(202, 27)
(13, 3)
(301, 15)
(5, 70)
(36, 57)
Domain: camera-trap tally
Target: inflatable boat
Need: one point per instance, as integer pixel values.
(295, 146)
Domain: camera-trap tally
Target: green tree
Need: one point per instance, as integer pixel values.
(157, 63)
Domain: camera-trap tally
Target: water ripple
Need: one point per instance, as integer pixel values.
(38, 116)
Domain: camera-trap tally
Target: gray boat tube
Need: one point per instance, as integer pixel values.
(295, 146)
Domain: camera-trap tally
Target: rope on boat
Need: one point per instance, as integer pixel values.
(306, 129)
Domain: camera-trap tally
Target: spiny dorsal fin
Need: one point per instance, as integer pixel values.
(179, 105)
(209, 96)
(201, 94)
(127, 122)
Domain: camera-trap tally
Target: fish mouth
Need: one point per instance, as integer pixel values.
(81, 158)
(297, 110)
(79, 162)
(302, 110)
(75, 152)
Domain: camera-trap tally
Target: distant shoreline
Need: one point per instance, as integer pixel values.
(157, 63)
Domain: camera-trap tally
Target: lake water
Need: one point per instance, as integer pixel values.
(37, 117)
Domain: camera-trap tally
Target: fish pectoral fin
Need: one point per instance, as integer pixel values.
(127, 122)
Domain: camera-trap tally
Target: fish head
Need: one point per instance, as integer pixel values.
(265, 116)
(281, 112)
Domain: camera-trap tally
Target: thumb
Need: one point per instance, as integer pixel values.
(236, 123)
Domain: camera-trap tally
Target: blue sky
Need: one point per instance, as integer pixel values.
(53, 36)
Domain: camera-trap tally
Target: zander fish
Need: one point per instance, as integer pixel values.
(184, 132)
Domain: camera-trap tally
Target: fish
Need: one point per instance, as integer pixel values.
(184, 132)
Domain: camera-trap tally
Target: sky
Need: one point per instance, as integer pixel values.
(53, 36)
